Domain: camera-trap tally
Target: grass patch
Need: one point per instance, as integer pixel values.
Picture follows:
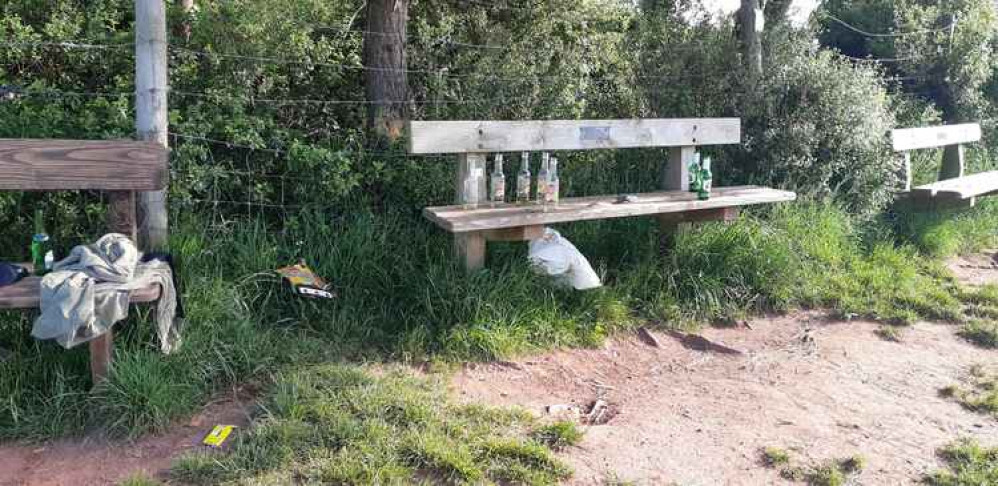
(981, 332)
(969, 464)
(979, 394)
(558, 435)
(831, 473)
(140, 480)
(339, 424)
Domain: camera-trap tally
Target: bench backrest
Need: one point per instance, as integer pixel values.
(454, 137)
(121, 168)
(60, 165)
(950, 137)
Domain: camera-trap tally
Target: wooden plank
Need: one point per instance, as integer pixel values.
(929, 137)
(101, 352)
(976, 185)
(953, 165)
(431, 137)
(25, 294)
(523, 233)
(54, 165)
(676, 173)
(726, 215)
(470, 250)
(121, 213)
(458, 219)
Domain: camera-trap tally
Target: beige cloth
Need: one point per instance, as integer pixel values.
(88, 292)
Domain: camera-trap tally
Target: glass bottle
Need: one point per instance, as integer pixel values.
(706, 180)
(42, 257)
(523, 179)
(553, 181)
(498, 180)
(694, 173)
(542, 179)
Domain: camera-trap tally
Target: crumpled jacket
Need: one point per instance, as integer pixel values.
(88, 292)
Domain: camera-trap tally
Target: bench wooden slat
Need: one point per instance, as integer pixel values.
(440, 137)
(57, 165)
(929, 137)
(965, 187)
(458, 219)
(25, 294)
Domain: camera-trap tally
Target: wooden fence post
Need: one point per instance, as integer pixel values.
(151, 123)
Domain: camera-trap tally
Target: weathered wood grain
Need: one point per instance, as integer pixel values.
(101, 355)
(432, 137)
(980, 184)
(523, 233)
(700, 216)
(929, 137)
(54, 165)
(25, 294)
(458, 219)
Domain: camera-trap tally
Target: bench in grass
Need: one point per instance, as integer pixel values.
(472, 141)
(119, 168)
(954, 188)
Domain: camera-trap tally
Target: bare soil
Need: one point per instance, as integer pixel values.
(94, 460)
(821, 388)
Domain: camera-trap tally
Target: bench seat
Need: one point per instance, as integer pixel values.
(458, 219)
(25, 294)
(965, 187)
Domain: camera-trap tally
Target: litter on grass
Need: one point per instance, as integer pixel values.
(305, 282)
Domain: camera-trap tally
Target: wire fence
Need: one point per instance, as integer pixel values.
(281, 186)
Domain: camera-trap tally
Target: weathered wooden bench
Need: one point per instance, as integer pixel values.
(119, 168)
(472, 141)
(953, 189)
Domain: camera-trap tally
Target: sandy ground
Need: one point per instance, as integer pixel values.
(821, 388)
(96, 461)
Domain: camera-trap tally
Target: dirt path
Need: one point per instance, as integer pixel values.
(821, 388)
(95, 461)
(691, 417)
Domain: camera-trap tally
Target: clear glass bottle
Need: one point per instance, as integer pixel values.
(498, 180)
(553, 181)
(706, 180)
(523, 179)
(543, 176)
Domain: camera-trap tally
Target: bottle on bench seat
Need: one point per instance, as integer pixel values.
(523, 179)
(42, 256)
(553, 181)
(498, 179)
(543, 177)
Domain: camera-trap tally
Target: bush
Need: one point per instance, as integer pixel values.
(817, 124)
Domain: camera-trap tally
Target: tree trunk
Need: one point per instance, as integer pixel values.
(184, 29)
(384, 56)
(751, 22)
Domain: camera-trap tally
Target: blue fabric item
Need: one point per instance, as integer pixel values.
(11, 274)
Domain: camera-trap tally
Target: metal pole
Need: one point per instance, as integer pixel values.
(151, 85)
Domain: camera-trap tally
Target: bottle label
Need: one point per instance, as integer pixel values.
(49, 260)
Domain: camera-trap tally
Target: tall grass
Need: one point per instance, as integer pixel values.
(402, 296)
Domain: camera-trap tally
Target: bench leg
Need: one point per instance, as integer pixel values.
(101, 350)
(470, 250)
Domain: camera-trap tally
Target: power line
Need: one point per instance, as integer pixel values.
(66, 45)
(881, 35)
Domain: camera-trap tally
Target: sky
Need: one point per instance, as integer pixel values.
(799, 11)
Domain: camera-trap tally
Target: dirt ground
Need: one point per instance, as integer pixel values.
(821, 388)
(95, 461)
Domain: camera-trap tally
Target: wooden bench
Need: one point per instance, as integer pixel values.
(954, 188)
(472, 141)
(120, 168)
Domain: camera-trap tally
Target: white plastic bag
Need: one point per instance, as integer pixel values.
(553, 255)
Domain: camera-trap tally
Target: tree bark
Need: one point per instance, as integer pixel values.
(385, 76)
(751, 22)
(184, 29)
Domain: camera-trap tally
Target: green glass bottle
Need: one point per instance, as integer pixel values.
(42, 257)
